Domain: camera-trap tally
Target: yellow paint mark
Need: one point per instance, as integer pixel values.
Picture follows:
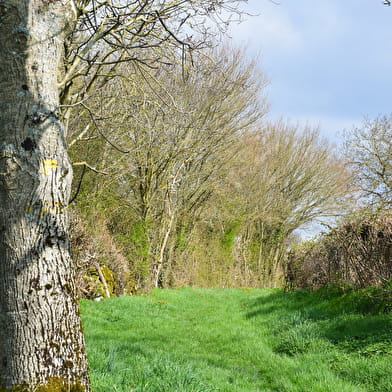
(44, 211)
(50, 164)
(45, 207)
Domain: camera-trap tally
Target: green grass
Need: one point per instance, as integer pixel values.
(239, 340)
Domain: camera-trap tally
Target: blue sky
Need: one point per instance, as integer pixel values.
(329, 62)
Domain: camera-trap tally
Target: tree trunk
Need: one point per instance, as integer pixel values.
(159, 272)
(41, 339)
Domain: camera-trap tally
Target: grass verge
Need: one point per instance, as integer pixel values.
(200, 340)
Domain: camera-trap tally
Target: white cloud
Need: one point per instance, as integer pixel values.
(271, 29)
(328, 61)
(322, 22)
(290, 27)
(331, 127)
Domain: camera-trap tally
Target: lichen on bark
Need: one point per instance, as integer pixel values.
(53, 385)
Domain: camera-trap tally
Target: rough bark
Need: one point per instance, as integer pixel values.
(41, 339)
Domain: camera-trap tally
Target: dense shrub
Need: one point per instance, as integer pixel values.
(357, 253)
(101, 267)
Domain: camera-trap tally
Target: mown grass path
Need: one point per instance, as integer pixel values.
(201, 340)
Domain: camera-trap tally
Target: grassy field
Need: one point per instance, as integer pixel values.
(198, 340)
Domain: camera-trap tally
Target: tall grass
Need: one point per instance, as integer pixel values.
(238, 340)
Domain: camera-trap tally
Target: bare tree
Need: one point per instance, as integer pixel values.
(145, 33)
(369, 151)
(284, 179)
(179, 131)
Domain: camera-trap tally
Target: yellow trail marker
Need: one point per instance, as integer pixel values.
(50, 164)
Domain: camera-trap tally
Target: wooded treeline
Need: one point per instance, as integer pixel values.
(191, 185)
